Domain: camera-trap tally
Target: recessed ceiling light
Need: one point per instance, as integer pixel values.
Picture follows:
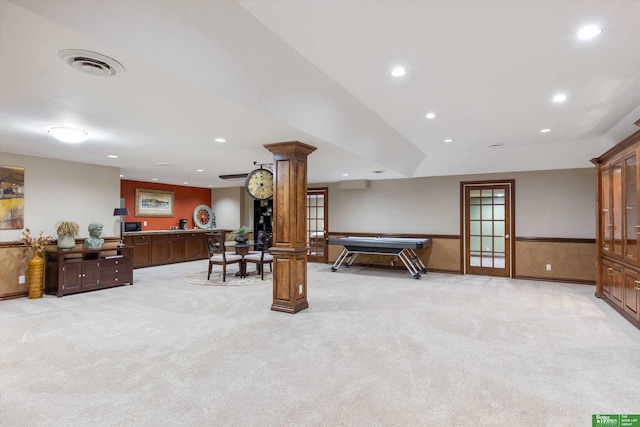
(345, 174)
(379, 171)
(398, 72)
(163, 164)
(560, 97)
(220, 140)
(154, 179)
(121, 176)
(494, 145)
(185, 182)
(112, 156)
(545, 130)
(448, 140)
(588, 32)
(430, 116)
(210, 186)
(70, 135)
(199, 170)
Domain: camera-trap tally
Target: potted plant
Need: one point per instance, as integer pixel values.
(240, 234)
(67, 232)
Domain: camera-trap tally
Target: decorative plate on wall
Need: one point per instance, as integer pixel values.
(203, 217)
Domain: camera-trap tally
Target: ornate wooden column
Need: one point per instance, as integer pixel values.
(289, 229)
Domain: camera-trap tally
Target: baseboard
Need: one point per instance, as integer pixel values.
(557, 279)
(620, 311)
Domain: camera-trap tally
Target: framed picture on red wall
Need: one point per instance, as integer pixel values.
(154, 203)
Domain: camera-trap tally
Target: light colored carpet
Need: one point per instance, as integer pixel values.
(375, 348)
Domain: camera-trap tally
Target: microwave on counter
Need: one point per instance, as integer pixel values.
(132, 226)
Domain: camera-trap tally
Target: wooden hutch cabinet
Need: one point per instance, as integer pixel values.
(79, 269)
(618, 228)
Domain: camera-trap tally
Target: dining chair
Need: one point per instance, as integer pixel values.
(260, 259)
(218, 255)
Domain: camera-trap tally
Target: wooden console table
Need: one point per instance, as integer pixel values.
(69, 271)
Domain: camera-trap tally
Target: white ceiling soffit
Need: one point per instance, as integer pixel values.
(243, 61)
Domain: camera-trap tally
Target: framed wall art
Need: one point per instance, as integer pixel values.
(154, 203)
(11, 198)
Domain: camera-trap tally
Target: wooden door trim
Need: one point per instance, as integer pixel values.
(512, 239)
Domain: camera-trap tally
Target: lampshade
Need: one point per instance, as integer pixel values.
(120, 212)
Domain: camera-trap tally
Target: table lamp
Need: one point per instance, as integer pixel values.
(121, 212)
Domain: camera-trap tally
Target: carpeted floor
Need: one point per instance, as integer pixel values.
(375, 348)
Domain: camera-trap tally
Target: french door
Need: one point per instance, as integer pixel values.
(488, 227)
(317, 224)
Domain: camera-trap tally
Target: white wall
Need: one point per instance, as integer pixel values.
(559, 203)
(227, 205)
(57, 190)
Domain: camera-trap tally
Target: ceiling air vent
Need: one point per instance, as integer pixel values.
(91, 62)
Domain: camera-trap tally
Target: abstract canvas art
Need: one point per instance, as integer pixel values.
(11, 198)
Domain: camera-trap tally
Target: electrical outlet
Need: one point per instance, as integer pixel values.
(548, 267)
(22, 280)
(145, 223)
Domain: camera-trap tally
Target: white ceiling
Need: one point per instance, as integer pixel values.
(258, 72)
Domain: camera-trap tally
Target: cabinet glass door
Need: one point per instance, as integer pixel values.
(605, 225)
(616, 205)
(631, 209)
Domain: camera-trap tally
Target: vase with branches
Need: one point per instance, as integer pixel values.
(36, 264)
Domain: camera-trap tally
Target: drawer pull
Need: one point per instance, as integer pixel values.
(610, 271)
(116, 271)
(636, 285)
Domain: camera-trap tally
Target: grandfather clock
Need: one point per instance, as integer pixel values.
(289, 247)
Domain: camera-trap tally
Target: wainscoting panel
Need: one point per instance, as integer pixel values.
(572, 260)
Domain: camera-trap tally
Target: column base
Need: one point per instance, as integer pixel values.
(290, 309)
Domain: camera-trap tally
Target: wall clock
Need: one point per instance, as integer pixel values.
(203, 217)
(259, 184)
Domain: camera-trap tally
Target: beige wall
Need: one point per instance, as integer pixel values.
(227, 204)
(59, 190)
(558, 203)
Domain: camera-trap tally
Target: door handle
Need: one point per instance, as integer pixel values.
(506, 236)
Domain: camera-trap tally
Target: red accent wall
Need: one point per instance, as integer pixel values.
(185, 200)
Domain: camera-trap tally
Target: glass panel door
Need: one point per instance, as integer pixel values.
(317, 224)
(487, 229)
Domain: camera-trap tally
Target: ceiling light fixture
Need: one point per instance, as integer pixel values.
(163, 164)
(560, 97)
(199, 170)
(448, 140)
(588, 32)
(345, 174)
(545, 130)
(185, 182)
(430, 116)
(220, 140)
(398, 72)
(494, 145)
(69, 135)
(154, 179)
(112, 156)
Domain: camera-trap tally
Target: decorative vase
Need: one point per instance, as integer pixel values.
(241, 240)
(66, 241)
(36, 276)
